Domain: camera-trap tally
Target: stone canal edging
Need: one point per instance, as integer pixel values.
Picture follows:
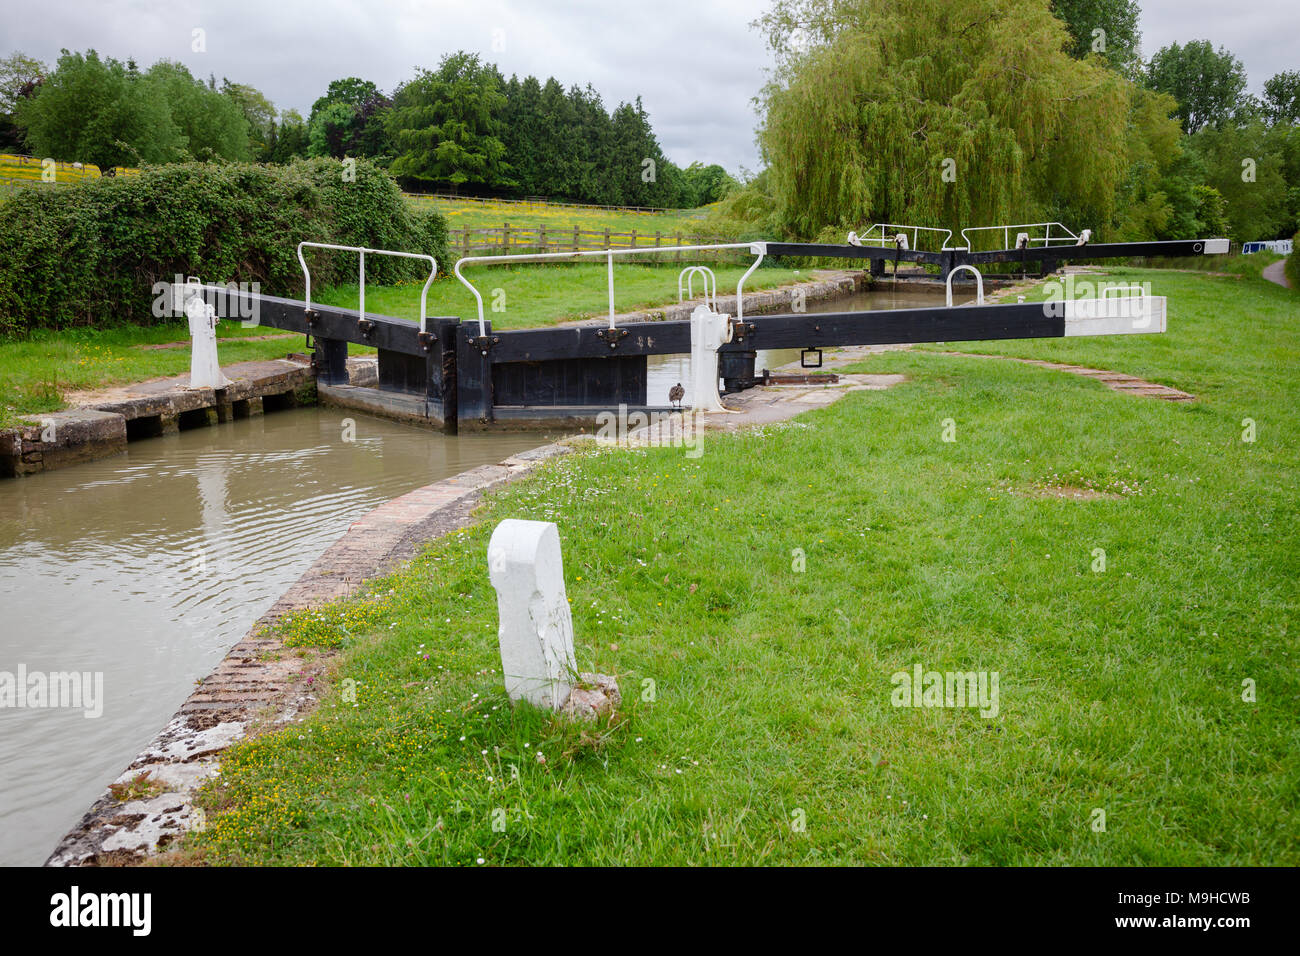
(261, 683)
(103, 426)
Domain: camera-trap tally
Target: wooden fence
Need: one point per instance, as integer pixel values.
(511, 240)
(543, 201)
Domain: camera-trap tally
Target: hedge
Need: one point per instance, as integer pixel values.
(1292, 267)
(90, 253)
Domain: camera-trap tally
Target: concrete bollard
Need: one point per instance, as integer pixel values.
(536, 628)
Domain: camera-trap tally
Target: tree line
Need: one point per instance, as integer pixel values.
(929, 112)
(461, 126)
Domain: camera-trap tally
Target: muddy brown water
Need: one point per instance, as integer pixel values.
(100, 572)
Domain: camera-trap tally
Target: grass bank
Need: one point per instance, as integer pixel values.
(757, 724)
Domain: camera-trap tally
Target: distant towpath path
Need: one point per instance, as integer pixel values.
(1274, 273)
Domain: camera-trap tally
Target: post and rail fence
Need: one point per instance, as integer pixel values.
(508, 239)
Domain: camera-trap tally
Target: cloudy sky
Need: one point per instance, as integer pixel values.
(697, 64)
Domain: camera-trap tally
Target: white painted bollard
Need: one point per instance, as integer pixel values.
(536, 628)
(205, 368)
(709, 332)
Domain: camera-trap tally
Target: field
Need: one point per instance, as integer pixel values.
(475, 214)
(1147, 695)
(27, 169)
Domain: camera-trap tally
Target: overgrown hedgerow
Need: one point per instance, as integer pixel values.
(90, 253)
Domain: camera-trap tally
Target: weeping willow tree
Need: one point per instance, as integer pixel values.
(930, 112)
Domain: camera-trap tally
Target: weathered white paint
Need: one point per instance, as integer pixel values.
(535, 630)
(709, 331)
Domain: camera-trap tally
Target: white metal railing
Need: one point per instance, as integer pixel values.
(898, 235)
(979, 284)
(710, 280)
(758, 249)
(1129, 301)
(1046, 239)
(361, 271)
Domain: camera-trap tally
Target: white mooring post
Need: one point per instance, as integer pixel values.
(709, 332)
(205, 367)
(536, 629)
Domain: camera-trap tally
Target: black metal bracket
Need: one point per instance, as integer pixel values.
(366, 327)
(803, 358)
(484, 342)
(427, 340)
(612, 336)
(312, 316)
(742, 330)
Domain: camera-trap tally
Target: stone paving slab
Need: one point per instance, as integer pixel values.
(1115, 381)
(98, 428)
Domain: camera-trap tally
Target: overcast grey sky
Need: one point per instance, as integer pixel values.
(696, 64)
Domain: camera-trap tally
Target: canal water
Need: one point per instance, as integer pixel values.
(148, 567)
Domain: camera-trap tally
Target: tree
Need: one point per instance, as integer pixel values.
(213, 125)
(645, 177)
(593, 136)
(258, 112)
(1207, 85)
(703, 185)
(1153, 203)
(1245, 163)
(1108, 28)
(532, 163)
(1282, 98)
(939, 114)
(349, 120)
(19, 76)
(291, 139)
(445, 125)
(101, 112)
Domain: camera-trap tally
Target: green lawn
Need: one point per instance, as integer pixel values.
(757, 697)
(544, 294)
